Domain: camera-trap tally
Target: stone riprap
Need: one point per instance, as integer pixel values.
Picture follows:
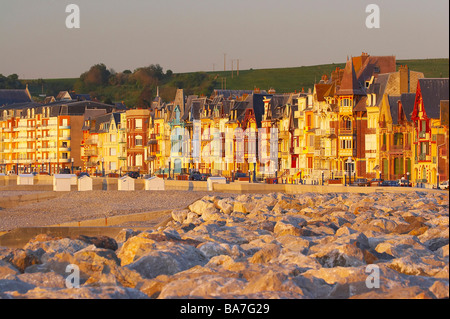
(378, 245)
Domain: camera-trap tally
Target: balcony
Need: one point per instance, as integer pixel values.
(65, 138)
(64, 127)
(90, 153)
(424, 158)
(345, 131)
(91, 141)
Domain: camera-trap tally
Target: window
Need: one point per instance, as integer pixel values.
(112, 166)
(308, 120)
(138, 140)
(138, 123)
(139, 160)
(371, 142)
(423, 126)
(112, 137)
(64, 156)
(346, 144)
(346, 123)
(112, 152)
(346, 102)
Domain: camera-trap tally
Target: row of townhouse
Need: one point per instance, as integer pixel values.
(42, 137)
(368, 120)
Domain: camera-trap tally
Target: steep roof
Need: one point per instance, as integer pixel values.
(433, 92)
(320, 90)
(374, 65)
(14, 96)
(361, 105)
(444, 112)
(408, 100)
(350, 84)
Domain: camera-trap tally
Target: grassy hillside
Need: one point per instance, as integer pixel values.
(282, 80)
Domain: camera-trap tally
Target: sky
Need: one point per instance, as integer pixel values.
(194, 35)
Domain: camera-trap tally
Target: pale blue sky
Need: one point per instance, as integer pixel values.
(192, 35)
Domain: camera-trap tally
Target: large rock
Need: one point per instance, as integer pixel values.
(7, 270)
(201, 206)
(168, 261)
(206, 286)
(273, 282)
(211, 249)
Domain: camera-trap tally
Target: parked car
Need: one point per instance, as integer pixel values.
(83, 174)
(376, 182)
(64, 171)
(240, 174)
(444, 185)
(197, 176)
(404, 182)
(133, 174)
(361, 182)
(390, 183)
(11, 173)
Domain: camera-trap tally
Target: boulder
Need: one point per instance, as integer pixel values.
(206, 286)
(99, 242)
(168, 261)
(201, 206)
(266, 254)
(7, 270)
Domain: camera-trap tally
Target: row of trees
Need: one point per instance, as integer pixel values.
(99, 75)
(136, 89)
(10, 82)
(100, 82)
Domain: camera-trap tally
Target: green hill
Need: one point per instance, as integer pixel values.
(139, 92)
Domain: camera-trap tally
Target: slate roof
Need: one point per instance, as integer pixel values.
(350, 84)
(375, 65)
(361, 105)
(444, 112)
(433, 92)
(321, 90)
(14, 97)
(408, 100)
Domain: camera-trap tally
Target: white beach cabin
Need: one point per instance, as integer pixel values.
(62, 182)
(84, 184)
(212, 180)
(125, 183)
(154, 184)
(25, 179)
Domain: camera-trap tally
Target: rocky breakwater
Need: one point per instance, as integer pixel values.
(378, 245)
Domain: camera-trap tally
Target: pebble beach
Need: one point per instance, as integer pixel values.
(307, 246)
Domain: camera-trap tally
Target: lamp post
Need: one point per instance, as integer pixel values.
(349, 161)
(437, 180)
(103, 167)
(345, 178)
(407, 179)
(72, 164)
(322, 178)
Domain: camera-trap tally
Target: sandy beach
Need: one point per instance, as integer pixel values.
(80, 206)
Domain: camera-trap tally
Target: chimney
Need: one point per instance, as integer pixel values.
(404, 79)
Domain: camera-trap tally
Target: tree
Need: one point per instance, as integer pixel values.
(145, 98)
